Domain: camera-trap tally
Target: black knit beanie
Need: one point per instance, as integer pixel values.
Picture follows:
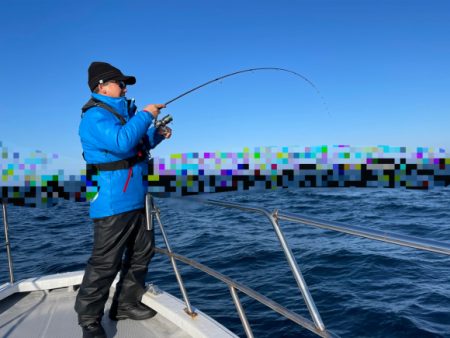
(100, 72)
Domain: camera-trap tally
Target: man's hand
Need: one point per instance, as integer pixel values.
(165, 131)
(154, 109)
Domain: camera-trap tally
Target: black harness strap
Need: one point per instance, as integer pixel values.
(120, 164)
(96, 103)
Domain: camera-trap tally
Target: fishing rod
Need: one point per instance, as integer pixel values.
(167, 119)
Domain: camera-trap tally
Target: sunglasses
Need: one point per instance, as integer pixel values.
(121, 84)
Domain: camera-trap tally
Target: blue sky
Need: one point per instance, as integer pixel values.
(383, 68)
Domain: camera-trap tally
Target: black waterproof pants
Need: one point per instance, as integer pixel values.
(115, 236)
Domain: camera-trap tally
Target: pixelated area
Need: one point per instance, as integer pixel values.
(284, 167)
(27, 182)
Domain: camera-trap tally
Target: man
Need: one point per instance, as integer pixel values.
(116, 140)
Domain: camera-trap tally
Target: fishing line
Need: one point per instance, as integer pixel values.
(253, 70)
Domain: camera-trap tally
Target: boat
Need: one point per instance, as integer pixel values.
(43, 306)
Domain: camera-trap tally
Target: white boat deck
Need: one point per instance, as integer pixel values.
(51, 314)
(43, 307)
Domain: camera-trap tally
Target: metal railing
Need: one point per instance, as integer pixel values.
(7, 243)
(152, 211)
(316, 325)
(236, 286)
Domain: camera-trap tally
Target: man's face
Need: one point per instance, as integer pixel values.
(113, 88)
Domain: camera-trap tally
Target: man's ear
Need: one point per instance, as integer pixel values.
(102, 89)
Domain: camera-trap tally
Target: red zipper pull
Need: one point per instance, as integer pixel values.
(130, 173)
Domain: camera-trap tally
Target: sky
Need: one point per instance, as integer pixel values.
(382, 69)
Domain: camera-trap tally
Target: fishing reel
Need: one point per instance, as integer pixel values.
(162, 124)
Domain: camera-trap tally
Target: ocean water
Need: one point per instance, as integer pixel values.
(362, 288)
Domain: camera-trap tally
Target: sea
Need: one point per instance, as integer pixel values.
(361, 287)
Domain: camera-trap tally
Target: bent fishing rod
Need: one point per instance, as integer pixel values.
(167, 119)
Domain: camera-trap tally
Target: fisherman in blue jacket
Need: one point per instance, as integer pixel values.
(116, 140)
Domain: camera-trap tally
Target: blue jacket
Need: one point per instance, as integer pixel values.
(105, 139)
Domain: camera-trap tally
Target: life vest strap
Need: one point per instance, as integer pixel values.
(120, 164)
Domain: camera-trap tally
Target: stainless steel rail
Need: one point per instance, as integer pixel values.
(151, 210)
(318, 328)
(241, 312)
(383, 236)
(288, 253)
(7, 243)
(296, 318)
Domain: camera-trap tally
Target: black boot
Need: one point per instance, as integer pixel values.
(136, 311)
(93, 330)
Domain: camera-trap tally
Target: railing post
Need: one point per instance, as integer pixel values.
(297, 274)
(155, 211)
(273, 218)
(240, 310)
(7, 244)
